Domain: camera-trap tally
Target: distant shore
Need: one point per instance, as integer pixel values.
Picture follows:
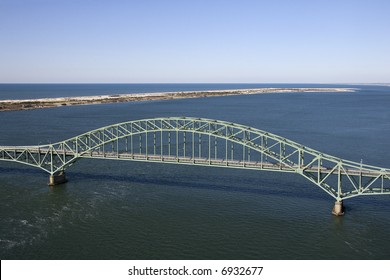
(29, 104)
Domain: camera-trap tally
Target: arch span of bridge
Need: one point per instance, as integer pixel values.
(198, 141)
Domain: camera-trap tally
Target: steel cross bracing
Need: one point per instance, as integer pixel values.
(206, 142)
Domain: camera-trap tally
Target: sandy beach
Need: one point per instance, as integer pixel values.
(29, 104)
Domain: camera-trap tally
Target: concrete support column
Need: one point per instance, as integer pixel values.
(338, 209)
(57, 178)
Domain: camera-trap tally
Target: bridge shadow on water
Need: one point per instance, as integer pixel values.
(20, 170)
(261, 186)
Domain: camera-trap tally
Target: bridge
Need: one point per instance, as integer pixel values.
(206, 142)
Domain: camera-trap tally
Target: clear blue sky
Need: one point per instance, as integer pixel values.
(137, 41)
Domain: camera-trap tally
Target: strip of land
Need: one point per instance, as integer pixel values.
(28, 104)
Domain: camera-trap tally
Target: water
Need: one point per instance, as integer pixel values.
(130, 210)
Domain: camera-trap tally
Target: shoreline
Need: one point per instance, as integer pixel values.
(41, 103)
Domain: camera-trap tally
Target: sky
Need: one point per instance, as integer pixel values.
(194, 41)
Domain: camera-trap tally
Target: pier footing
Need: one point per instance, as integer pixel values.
(58, 178)
(338, 208)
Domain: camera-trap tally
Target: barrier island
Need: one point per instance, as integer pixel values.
(39, 103)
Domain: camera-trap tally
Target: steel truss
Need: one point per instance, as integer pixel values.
(197, 141)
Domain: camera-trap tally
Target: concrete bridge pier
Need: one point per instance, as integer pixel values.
(338, 208)
(57, 178)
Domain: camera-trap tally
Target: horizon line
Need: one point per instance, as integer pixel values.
(183, 83)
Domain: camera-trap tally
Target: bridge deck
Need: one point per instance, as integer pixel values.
(224, 163)
(205, 161)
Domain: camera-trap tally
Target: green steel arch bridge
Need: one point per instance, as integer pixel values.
(206, 142)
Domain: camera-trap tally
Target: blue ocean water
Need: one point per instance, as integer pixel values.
(132, 210)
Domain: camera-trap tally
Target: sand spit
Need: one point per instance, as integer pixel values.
(28, 104)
